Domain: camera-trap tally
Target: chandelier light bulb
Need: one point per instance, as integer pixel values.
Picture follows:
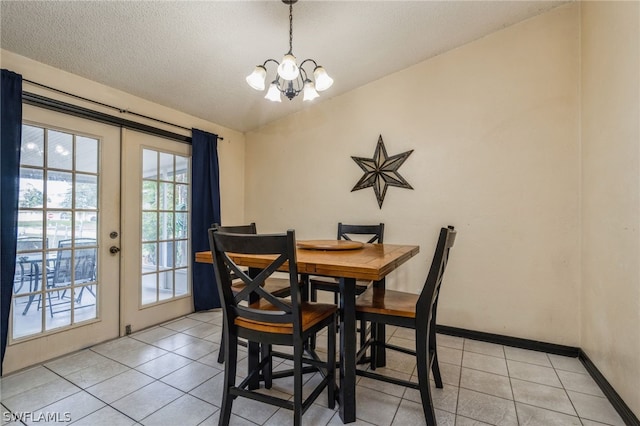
(288, 69)
(273, 94)
(323, 81)
(310, 92)
(257, 77)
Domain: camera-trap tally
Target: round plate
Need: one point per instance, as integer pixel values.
(330, 245)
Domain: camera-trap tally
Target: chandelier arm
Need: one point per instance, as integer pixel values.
(315, 64)
(302, 71)
(270, 60)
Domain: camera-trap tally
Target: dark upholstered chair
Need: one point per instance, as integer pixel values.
(264, 319)
(276, 286)
(412, 311)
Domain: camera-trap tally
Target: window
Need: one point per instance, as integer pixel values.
(55, 282)
(164, 226)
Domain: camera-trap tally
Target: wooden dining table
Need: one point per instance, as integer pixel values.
(370, 262)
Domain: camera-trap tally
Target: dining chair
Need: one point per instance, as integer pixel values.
(366, 233)
(25, 243)
(74, 264)
(26, 247)
(371, 234)
(274, 285)
(417, 312)
(270, 320)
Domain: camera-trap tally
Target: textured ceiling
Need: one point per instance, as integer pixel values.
(193, 56)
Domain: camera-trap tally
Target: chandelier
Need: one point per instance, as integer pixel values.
(291, 79)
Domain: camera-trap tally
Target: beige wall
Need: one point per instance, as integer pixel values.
(494, 125)
(610, 322)
(540, 175)
(231, 149)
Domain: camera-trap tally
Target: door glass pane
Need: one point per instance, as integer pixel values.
(32, 149)
(181, 281)
(59, 189)
(86, 154)
(149, 164)
(149, 194)
(165, 226)
(166, 196)
(166, 285)
(31, 188)
(56, 267)
(59, 150)
(182, 169)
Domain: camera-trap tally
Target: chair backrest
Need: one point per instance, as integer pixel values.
(427, 304)
(84, 261)
(283, 248)
(30, 243)
(237, 229)
(376, 232)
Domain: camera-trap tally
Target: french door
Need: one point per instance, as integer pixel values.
(67, 282)
(156, 260)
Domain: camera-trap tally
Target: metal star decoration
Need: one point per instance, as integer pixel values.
(381, 171)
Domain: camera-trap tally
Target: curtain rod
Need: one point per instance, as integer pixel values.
(120, 110)
(89, 114)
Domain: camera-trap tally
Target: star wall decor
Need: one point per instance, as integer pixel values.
(381, 171)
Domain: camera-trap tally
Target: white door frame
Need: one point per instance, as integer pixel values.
(32, 350)
(135, 316)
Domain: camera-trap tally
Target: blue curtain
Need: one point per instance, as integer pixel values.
(10, 139)
(205, 210)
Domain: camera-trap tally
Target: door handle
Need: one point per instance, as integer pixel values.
(114, 249)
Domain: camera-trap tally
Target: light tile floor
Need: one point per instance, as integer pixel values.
(168, 375)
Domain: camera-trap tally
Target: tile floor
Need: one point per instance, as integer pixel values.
(168, 375)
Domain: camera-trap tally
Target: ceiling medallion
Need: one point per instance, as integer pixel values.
(381, 171)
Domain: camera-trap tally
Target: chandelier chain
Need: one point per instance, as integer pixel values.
(290, 27)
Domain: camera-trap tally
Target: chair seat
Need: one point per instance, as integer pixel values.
(277, 286)
(387, 302)
(312, 314)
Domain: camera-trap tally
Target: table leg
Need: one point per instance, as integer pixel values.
(381, 353)
(347, 350)
(33, 275)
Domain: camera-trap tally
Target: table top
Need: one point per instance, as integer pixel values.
(329, 244)
(371, 262)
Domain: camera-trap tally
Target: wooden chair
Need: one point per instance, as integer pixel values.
(277, 286)
(270, 321)
(371, 234)
(413, 311)
(345, 232)
(274, 285)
